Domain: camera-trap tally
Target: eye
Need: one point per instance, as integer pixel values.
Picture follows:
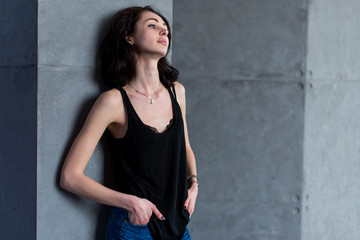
(152, 26)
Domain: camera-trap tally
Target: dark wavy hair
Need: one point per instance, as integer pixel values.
(118, 57)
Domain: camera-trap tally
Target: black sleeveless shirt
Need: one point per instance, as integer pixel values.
(152, 165)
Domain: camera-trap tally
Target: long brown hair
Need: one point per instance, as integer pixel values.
(118, 57)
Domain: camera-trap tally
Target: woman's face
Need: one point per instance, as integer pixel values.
(151, 35)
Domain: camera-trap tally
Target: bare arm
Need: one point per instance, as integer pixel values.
(191, 163)
(73, 178)
(107, 110)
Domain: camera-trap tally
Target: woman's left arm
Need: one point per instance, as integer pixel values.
(191, 163)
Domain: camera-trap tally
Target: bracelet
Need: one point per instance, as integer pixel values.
(191, 176)
(189, 183)
(193, 181)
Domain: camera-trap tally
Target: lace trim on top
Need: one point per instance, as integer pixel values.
(167, 127)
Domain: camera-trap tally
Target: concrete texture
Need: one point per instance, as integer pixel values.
(250, 176)
(18, 33)
(18, 76)
(18, 152)
(331, 162)
(331, 145)
(333, 49)
(68, 84)
(61, 112)
(247, 40)
(243, 65)
(272, 111)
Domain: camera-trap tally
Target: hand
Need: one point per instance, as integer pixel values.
(142, 210)
(191, 199)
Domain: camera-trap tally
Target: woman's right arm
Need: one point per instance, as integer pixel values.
(105, 111)
(108, 109)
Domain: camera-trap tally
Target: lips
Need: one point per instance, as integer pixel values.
(163, 41)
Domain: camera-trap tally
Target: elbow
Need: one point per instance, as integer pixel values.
(66, 181)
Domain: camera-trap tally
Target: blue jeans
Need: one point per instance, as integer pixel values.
(120, 228)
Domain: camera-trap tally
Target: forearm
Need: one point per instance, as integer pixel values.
(191, 163)
(191, 167)
(192, 182)
(86, 187)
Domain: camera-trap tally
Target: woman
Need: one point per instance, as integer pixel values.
(145, 113)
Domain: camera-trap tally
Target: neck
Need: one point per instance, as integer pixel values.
(147, 77)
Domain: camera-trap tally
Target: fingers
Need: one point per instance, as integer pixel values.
(191, 208)
(157, 213)
(189, 205)
(142, 211)
(186, 204)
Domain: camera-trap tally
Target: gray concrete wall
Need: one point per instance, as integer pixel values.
(18, 59)
(68, 83)
(243, 64)
(332, 134)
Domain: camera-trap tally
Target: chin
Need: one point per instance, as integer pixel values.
(162, 54)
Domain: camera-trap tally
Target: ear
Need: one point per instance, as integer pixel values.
(129, 39)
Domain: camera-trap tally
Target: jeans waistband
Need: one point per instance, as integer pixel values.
(120, 212)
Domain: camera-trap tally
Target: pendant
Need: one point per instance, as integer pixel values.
(151, 101)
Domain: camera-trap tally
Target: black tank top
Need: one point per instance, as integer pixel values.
(152, 165)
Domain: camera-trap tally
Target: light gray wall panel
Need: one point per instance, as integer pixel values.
(331, 146)
(332, 162)
(72, 30)
(65, 97)
(333, 36)
(68, 84)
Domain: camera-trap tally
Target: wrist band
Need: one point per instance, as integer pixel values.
(197, 183)
(191, 176)
(189, 181)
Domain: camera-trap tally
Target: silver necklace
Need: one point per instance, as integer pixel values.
(151, 98)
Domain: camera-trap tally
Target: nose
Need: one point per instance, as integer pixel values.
(164, 32)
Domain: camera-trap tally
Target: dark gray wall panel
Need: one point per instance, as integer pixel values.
(18, 77)
(228, 219)
(249, 152)
(243, 65)
(18, 31)
(18, 152)
(241, 39)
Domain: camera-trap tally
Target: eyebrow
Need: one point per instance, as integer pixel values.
(155, 21)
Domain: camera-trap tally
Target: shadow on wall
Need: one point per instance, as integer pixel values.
(103, 211)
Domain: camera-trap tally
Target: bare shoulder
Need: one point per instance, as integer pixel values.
(180, 93)
(111, 98)
(109, 106)
(179, 88)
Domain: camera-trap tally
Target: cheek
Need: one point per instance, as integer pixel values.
(141, 38)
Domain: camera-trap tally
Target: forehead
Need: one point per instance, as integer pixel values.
(146, 15)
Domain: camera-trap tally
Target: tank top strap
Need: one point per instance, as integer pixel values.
(173, 92)
(131, 114)
(124, 96)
